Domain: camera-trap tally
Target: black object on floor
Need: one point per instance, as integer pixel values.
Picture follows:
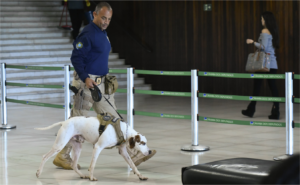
(228, 171)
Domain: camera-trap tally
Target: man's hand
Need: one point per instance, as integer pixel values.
(89, 83)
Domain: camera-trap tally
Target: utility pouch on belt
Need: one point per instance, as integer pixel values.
(111, 84)
(105, 120)
(78, 99)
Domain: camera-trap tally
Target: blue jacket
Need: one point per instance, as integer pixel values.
(90, 52)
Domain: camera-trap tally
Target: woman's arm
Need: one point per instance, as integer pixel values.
(249, 41)
(263, 40)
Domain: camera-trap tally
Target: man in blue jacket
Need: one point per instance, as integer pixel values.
(90, 60)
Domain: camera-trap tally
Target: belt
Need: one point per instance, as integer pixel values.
(99, 79)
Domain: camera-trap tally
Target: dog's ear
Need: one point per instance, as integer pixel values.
(131, 142)
(137, 138)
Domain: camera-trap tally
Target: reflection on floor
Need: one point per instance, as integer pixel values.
(22, 148)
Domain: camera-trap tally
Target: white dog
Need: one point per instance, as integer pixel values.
(77, 129)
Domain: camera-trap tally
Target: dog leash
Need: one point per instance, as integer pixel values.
(100, 94)
(113, 108)
(118, 114)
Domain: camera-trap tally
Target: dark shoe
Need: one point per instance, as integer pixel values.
(250, 110)
(248, 113)
(275, 112)
(274, 116)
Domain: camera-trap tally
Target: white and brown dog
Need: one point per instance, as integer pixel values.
(77, 129)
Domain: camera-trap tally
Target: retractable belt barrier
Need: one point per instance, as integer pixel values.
(194, 94)
(65, 87)
(246, 98)
(289, 100)
(241, 75)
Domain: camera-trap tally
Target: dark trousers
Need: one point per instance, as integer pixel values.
(272, 86)
(76, 16)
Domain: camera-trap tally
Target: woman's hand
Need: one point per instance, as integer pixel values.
(249, 41)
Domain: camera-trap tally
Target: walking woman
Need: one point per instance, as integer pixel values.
(268, 39)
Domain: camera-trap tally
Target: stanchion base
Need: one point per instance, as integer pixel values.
(192, 148)
(7, 126)
(282, 157)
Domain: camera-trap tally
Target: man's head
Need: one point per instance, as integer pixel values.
(102, 15)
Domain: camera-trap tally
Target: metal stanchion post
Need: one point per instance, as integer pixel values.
(3, 100)
(67, 91)
(4, 158)
(194, 156)
(195, 147)
(130, 102)
(289, 109)
(289, 122)
(130, 98)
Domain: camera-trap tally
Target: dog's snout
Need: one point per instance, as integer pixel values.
(149, 152)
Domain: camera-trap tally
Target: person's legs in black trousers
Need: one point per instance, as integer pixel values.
(256, 90)
(76, 16)
(272, 85)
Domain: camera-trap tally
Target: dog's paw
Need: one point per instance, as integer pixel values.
(93, 179)
(142, 178)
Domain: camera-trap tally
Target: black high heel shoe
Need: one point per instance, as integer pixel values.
(250, 110)
(275, 114)
(248, 113)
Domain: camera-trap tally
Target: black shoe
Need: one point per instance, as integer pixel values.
(248, 113)
(250, 110)
(275, 112)
(274, 116)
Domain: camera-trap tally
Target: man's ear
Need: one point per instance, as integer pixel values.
(94, 14)
(131, 142)
(137, 138)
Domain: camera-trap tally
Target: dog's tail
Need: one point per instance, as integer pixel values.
(51, 126)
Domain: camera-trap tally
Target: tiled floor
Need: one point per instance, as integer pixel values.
(22, 148)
